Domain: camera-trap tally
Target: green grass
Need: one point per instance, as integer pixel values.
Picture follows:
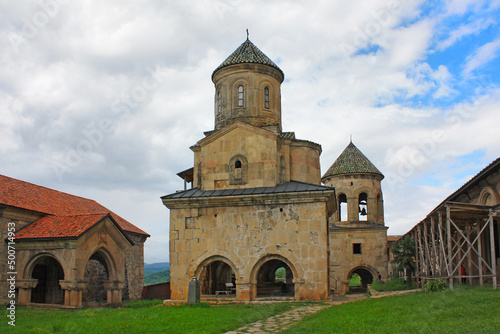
(355, 280)
(141, 317)
(463, 310)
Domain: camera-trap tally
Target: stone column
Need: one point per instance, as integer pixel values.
(73, 293)
(24, 287)
(372, 209)
(114, 289)
(244, 291)
(353, 209)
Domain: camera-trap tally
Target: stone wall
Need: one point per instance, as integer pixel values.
(373, 257)
(21, 219)
(246, 236)
(134, 267)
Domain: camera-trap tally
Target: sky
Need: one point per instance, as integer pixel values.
(102, 99)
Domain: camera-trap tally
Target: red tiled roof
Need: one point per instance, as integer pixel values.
(50, 226)
(393, 237)
(58, 206)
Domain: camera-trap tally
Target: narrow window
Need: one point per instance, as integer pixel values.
(266, 98)
(237, 170)
(356, 248)
(240, 96)
(363, 207)
(342, 207)
(219, 103)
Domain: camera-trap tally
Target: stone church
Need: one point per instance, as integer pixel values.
(257, 205)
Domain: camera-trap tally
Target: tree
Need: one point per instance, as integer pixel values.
(404, 256)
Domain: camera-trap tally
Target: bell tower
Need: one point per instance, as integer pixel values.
(248, 89)
(358, 188)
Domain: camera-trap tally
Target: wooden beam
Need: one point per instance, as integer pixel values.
(492, 249)
(448, 236)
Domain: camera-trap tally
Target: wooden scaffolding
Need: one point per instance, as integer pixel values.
(458, 242)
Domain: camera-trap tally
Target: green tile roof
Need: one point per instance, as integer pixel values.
(247, 53)
(351, 161)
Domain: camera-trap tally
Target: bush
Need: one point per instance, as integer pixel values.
(435, 285)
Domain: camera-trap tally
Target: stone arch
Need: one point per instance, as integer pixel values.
(238, 169)
(363, 207)
(28, 269)
(263, 276)
(96, 274)
(214, 272)
(488, 196)
(342, 201)
(101, 254)
(115, 282)
(367, 274)
(47, 271)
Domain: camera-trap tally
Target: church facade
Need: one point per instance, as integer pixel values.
(257, 214)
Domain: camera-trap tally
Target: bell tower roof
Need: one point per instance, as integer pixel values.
(351, 161)
(247, 52)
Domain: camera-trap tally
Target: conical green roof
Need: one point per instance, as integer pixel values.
(351, 161)
(247, 53)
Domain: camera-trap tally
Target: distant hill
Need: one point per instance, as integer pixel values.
(155, 267)
(158, 277)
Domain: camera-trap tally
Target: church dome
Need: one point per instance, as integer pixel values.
(351, 161)
(247, 52)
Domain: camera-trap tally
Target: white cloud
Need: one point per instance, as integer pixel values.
(483, 55)
(464, 30)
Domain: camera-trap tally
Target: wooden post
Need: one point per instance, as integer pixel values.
(438, 264)
(469, 255)
(430, 267)
(492, 248)
(417, 260)
(480, 252)
(443, 252)
(448, 236)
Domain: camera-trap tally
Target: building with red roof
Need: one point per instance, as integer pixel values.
(56, 243)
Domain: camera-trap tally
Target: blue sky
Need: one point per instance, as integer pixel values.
(103, 99)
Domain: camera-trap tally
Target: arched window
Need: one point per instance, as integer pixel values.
(238, 169)
(219, 103)
(241, 95)
(363, 206)
(342, 207)
(266, 97)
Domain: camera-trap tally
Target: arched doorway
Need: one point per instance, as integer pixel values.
(48, 272)
(365, 278)
(214, 277)
(96, 273)
(275, 279)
